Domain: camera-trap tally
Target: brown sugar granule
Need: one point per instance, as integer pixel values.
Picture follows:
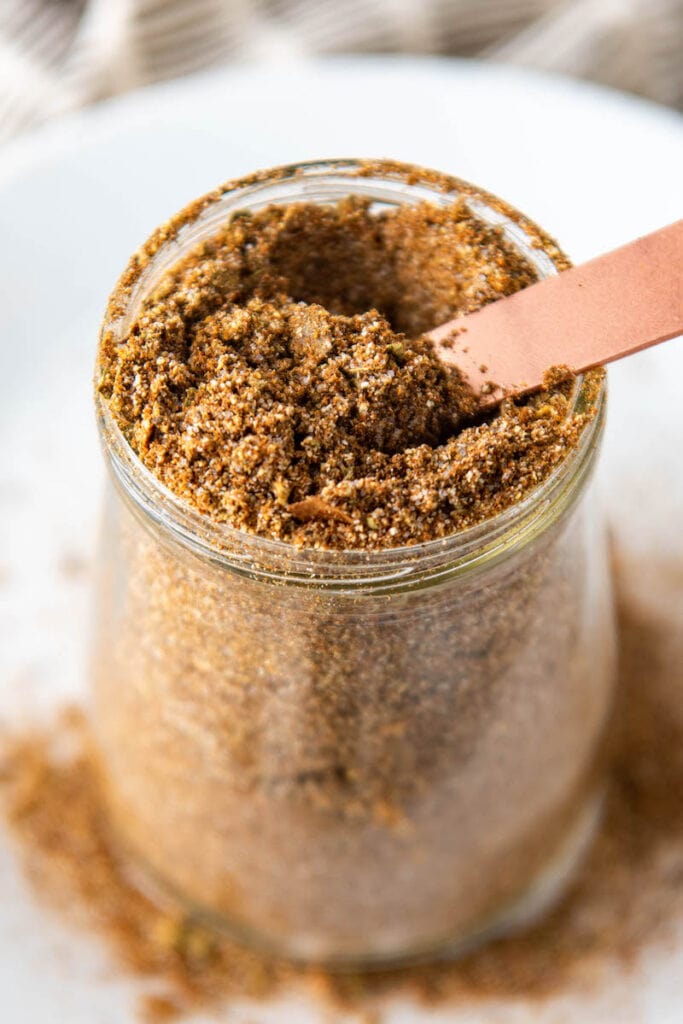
(282, 363)
(629, 892)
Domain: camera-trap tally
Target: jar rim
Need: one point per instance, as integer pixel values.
(249, 554)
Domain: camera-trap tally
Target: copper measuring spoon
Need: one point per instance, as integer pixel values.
(603, 310)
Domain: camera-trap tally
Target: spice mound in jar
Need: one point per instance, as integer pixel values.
(276, 378)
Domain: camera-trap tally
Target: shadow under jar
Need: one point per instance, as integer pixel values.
(353, 757)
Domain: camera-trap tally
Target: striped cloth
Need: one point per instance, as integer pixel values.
(56, 55)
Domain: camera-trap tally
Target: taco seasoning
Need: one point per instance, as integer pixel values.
(354, 646)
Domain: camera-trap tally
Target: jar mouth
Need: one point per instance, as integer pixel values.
(386, 183)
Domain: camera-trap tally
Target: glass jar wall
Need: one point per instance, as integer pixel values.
(353, 756)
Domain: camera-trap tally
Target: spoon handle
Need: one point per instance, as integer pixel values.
(603, 310)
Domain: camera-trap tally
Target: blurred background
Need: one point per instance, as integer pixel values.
(57, 55)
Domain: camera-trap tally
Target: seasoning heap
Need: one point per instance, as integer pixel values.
(276, 378)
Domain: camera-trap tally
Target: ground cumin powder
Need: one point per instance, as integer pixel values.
(276, 380)
(628, 893)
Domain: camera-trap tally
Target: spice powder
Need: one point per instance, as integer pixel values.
(276, 380)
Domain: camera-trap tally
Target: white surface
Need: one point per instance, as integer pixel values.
(593, 167)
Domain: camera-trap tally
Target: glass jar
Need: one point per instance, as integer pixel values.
(352, 756)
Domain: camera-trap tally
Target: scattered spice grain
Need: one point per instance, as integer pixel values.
(159, 1010)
